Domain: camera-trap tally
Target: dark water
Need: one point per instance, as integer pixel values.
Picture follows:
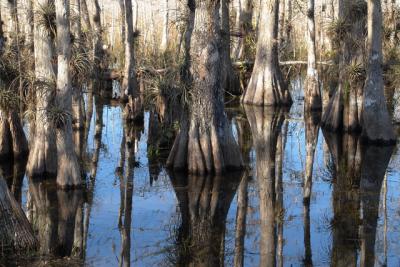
(133, 212)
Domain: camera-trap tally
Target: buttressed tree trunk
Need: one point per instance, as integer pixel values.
(68, 172)
(42, 157)
(343, 111)
(129, 90)
(230, 80)
(376, 120)
(312, 92)
(205, 143)
(266, 86)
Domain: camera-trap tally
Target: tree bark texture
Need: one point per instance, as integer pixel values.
(68, 171)
(42, 159)
(205, 143)
(267, 86)
(312, 94)
(376, 119)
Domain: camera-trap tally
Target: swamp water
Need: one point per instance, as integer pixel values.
(133, 211)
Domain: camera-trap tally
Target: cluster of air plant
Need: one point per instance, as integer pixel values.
(46, 15)
(80, 64)
(356, 73)
(58, 117)
(338, 30)
(9, 100)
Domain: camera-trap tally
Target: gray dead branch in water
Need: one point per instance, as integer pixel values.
(15, 231)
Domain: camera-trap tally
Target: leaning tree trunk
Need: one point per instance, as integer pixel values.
(230, 80)
(15, 230)
(129, 90)
(266, 86)
(376, 120)
(205, 143)
(68, 172)
(42, 159)
(312, 92)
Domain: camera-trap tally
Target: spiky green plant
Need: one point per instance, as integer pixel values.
(356, 72)
(338, 30)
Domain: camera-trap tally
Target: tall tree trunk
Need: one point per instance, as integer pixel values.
(312, 96)
(205, 145)
(241, 215)
(129, 90)
(85, 19)
(245, 27)
(343, 111)
(376, 120)
(68, 172)
(266, 86)
(266, 125)
(230, 80)
(164, 37)
(122, 18)
(42, 157)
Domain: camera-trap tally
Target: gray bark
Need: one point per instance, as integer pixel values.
(376, 120)
(68, 172)
(266, 86)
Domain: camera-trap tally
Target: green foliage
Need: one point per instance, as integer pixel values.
(356, 73)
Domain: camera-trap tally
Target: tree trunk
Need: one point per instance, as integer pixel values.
(312, 94)
(85, 19)
(374, 164)
(344, 109)
(129, 90)
(266, 86)
(76, 28)
(122, 18)
(376, 120)
(42, 157)
(230, 80)
(205, 143)
(68, 172)
(15, 230)
(245, 27)
(266, 125)
(241, 215)
(164, 37)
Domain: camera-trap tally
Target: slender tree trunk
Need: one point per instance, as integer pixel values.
(164, 37)
(241, 215)
(312, 100)
(122, 18)
(266, 86)
(129, 88)
(42, 157)
(68, 172)
(230, 80)
(85, 19)
(376, 120)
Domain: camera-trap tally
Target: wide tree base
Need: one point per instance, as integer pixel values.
(200, 150)
(267, 89)
(312, 100)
